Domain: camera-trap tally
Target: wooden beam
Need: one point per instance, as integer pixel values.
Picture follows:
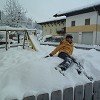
(24, 40)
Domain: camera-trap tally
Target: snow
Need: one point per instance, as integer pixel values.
(35, 42)
(53, 19)
(5, 28)
(25, 72)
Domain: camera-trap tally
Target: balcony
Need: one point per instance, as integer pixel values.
(62, 31)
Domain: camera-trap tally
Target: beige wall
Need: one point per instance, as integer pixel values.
(50, 29)
(84, 28)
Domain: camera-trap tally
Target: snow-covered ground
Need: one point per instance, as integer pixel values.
(25, 72)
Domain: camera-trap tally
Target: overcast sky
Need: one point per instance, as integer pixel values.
(42, 10)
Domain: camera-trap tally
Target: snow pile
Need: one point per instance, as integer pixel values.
(24, 72)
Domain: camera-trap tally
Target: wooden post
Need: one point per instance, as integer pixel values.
(43, 96)
(88, 91)
(56, 95)
(6, 39)
(24, 40)
(78, 92)
(68, 94)
(18, 35)
(96, 90)
(29, 98)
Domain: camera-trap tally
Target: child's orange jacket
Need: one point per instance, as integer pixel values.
(64, 47)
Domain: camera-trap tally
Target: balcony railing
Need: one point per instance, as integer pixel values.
(60, 32)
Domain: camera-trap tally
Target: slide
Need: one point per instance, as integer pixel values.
(35, 43)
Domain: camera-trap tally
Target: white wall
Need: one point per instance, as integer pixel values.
(98, 38)
(80, 19)
(99, 19)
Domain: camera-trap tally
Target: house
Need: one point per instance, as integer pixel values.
(55, 27)
(83, 24)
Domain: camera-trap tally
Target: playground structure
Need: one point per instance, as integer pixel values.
(28, 35)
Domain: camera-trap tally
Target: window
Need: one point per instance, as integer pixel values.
(46, 30)
(73, 23)
(50, 31)
(87, 21)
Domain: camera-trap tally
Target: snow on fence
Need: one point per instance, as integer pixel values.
(89, 91)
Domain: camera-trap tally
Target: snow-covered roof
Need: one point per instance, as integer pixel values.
(7, 28)
(80, 10)
(53, 20)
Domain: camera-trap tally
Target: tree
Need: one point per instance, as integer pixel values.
(0, 15)
(2, 18)
(15, 14)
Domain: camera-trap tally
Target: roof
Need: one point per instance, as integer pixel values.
(53, 20)
(91, 8)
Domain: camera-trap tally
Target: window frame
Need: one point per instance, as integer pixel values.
(73, 23)
(87, 21)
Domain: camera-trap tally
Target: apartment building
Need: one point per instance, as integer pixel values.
(55, 27)
(83, 24)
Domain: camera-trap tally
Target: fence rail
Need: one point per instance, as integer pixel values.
(89, 91)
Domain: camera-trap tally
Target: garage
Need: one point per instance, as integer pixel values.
(87, 38)
(75, 37)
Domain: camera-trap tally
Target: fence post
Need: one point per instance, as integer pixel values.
(43, 96)
(56, 95)
(96, 90)
(78, 92)
(68, 94)
(29, 98)
(88, 91)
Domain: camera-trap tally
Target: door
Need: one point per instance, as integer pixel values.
(87, 38)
